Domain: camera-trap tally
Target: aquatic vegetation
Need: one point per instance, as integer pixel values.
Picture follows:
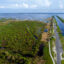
(61, 19)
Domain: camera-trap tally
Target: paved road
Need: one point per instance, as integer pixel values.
(58, 46)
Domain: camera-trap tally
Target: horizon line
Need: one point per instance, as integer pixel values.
(33, 13)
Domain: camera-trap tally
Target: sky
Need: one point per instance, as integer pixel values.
(31, 6)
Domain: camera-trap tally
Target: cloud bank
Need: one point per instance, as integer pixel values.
(61, 4)
(32, 5)
(27, 4)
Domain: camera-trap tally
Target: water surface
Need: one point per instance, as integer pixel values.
(60, 24)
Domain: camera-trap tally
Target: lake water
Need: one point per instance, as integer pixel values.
(23, 16)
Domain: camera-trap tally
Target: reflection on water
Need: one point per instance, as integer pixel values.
(60, 24)
(25, 16)
(40, 17)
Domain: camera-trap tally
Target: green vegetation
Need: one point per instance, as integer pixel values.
(63, 55)
(3, 19)
(62, 62)
(20, 42)
(61, 18)
(52, 41)
(46, 56)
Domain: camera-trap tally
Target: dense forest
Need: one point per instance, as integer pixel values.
(20, 43)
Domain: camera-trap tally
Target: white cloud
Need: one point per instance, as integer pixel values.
(29, 4)
(2, 6)
(16, 5)
(33, 6)
(61, 5)
(23, 5)
(43, 3)
(47, 3)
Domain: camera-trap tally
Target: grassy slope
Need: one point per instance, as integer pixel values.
(19, 41)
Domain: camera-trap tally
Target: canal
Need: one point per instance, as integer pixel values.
(60, 24)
